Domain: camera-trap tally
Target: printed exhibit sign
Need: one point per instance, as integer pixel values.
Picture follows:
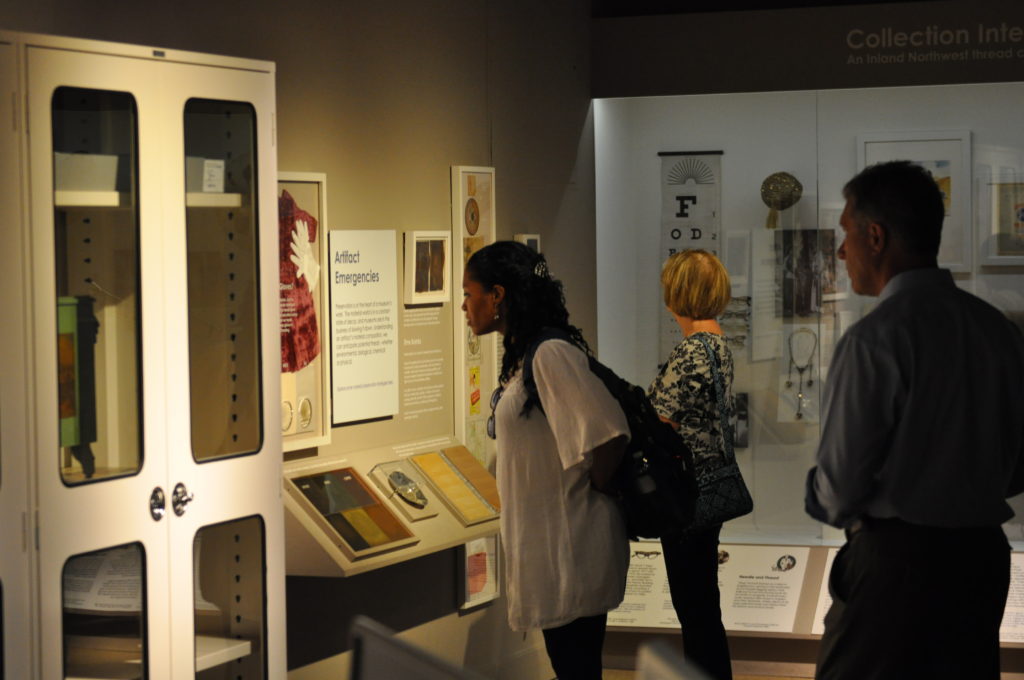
(364, 325)
(760, 588)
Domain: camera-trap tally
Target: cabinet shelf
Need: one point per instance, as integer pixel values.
(91, 199)
(99, 658)
(197, 199)
(114, 199)
(214, 651)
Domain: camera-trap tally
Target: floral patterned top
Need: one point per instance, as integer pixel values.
(684, 392)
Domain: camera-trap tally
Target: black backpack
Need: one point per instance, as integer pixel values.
(655, 480)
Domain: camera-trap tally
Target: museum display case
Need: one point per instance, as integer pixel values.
(775, 199)
(146, 276)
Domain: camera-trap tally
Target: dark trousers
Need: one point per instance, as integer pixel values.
(916, 602)
(575, 648)
(692, 565)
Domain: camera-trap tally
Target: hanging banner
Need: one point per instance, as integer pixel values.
(691, 216)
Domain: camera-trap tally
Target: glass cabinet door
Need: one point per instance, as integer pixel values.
(96, 251)
(223, 286)
(224, 369)
(100, 404)
(226, 375)
(103, 613)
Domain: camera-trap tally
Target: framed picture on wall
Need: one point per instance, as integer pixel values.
(1001, 232)
(532, 240)
(305, 363)
(478, 572)
(427, 267)
(473, 226)
(946, 154)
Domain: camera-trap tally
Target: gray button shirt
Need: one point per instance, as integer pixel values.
(923, 411)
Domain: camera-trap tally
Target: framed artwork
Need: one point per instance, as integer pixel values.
(532, 240)
(476, 358)
(304, 300)
(479, 572)
(427, 267)
(946, 154)
(1001, 235)
(805, 270)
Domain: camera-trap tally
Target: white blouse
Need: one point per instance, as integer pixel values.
(566, 551)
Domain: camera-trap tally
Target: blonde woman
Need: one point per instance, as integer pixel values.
(696, 291)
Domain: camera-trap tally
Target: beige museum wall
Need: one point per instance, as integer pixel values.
(384, 98)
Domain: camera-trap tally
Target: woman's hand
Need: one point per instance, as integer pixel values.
(675, 425)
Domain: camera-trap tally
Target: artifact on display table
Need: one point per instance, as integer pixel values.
(399, 481)
(465, 486)
(354, 512)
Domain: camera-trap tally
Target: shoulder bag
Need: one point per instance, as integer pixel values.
(723, 495)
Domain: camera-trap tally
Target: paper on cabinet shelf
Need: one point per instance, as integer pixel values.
(204, 175)
(108, 581)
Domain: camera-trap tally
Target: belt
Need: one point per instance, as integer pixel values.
(864, 523)
(867, 523)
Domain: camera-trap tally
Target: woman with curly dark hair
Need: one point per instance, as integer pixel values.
(564, 540)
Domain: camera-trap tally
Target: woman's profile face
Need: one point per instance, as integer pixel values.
(480, 306)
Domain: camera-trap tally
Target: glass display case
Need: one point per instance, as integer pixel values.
(791, 296)
(148, 299)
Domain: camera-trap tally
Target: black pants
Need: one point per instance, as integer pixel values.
(575, 648)
(916, 602)
(692, 565)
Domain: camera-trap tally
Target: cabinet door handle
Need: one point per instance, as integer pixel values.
(180, 498)
(157, 504)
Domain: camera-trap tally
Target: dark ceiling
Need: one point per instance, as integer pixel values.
(627, 8)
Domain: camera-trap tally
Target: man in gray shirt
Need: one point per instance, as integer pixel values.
(922, 441)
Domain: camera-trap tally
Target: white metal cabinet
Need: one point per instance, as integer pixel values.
(15, 539)
(154, 610)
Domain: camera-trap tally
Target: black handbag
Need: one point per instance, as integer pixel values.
(723, 495)
(654, 482)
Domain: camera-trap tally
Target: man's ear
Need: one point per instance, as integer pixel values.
(878, 237)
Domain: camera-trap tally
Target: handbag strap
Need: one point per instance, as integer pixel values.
(716, 377)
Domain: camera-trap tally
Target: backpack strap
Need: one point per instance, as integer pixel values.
(723, 411)
(529, 382)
